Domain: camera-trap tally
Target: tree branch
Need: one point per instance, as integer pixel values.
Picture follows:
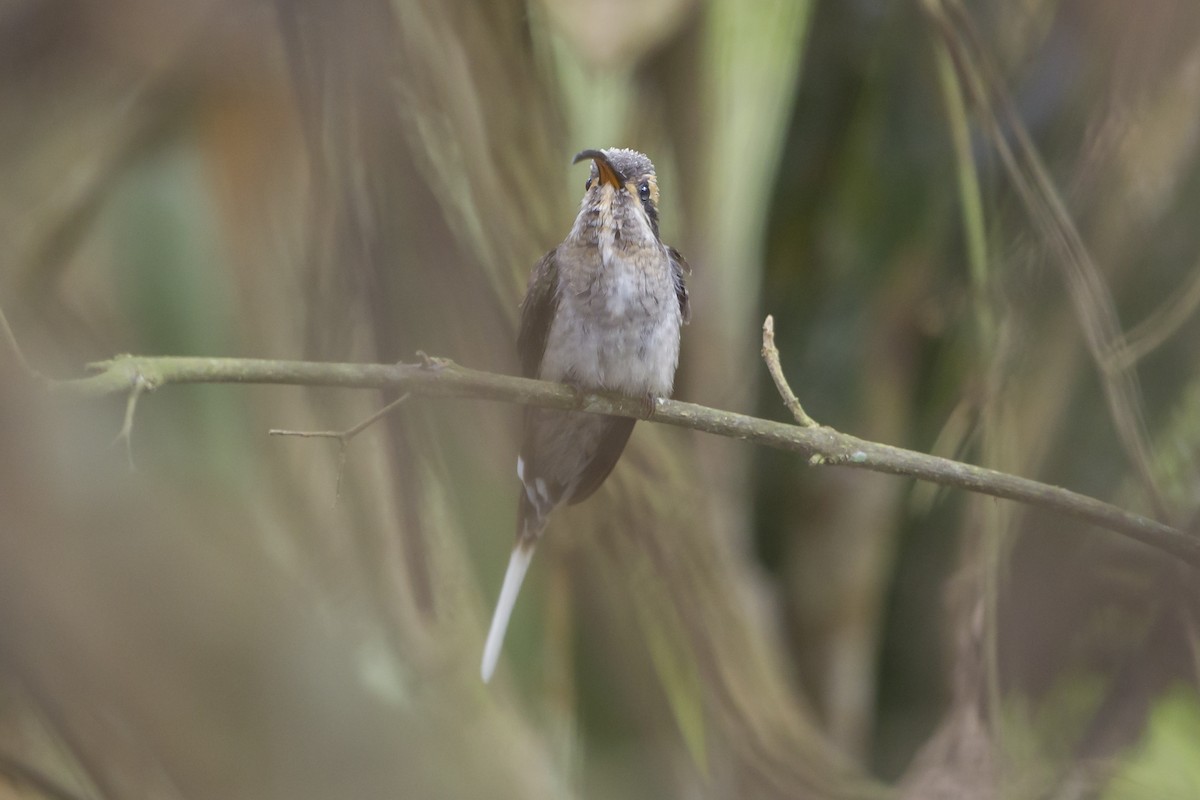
(443, 378)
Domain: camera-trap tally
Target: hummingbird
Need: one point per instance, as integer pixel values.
(602, 313)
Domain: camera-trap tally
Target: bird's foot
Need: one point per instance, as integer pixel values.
(579, 391)
(649, 406)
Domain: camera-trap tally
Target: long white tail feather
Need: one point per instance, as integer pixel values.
(518, 564)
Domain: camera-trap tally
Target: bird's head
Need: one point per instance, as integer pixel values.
(624, 182)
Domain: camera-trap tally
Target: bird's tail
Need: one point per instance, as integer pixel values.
(530, 525)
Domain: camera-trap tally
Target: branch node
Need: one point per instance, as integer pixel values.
(770, 354)
(433, 363)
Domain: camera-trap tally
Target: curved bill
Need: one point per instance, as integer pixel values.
(608, 173)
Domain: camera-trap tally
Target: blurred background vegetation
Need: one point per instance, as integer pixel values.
(974, 223)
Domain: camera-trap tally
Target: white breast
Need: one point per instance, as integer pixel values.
(617, 327)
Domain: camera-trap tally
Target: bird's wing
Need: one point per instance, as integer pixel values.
(608, 451)
(537, 312)
(679, 273)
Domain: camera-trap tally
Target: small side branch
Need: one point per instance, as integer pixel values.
(344, 437)
(770, 354)
(818, 444)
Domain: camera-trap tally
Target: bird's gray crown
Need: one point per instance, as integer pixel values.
(629, 163)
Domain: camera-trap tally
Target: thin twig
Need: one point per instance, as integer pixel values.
(343, 437)
(818, 444)
(770, 354)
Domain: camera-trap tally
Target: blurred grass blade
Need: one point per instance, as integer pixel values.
(1089, 295)
(676, 668)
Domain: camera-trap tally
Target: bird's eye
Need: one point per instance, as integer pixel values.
(587, 184)
(644, 191)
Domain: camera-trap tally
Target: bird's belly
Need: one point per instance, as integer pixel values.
(622, 336)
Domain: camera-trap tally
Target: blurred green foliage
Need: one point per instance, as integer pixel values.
(1163, 764)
